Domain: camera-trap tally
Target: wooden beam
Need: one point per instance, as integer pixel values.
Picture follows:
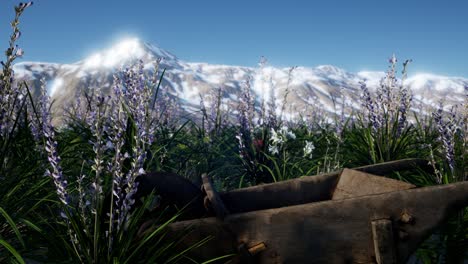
(213, 197)
(384, 244)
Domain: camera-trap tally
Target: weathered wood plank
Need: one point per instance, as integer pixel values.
(354, 183)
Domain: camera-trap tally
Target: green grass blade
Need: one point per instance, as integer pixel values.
(12, 251)
(218, 258)
(12, 225)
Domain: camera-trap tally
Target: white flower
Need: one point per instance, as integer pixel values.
(276, 138)
(308, 148)
(273, 149)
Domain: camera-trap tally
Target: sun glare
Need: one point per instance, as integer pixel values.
(122, 51)
(55, 85)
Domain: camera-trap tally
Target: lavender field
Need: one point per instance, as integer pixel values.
(70, 163)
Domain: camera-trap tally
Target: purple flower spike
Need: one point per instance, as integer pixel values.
(368, 104)
(51, 148)
(447, 130)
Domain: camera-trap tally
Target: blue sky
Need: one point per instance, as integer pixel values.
(351, 34)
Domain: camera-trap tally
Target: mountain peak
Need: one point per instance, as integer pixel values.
(125, 50)
(158, 51)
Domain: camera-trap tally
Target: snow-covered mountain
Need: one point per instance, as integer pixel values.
(186, 81)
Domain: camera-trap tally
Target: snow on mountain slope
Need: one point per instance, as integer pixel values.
(186, 81)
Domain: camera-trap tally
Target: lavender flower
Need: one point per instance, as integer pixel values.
(286, 91)
(35, 127)
(97, 126)
(447, 130)
(246, 108)
(216, 114)
(242, 147)
(340, 123)
(368, 104)
(83, 202)
(10, 96)
(138, 96)
(51, 148)
(117, 131)
(405, 99)
(392, 102)
(404, 107)
(245, 115)
(272, 118)
(76, 110)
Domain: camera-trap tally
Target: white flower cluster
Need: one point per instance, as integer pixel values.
(277, 139)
